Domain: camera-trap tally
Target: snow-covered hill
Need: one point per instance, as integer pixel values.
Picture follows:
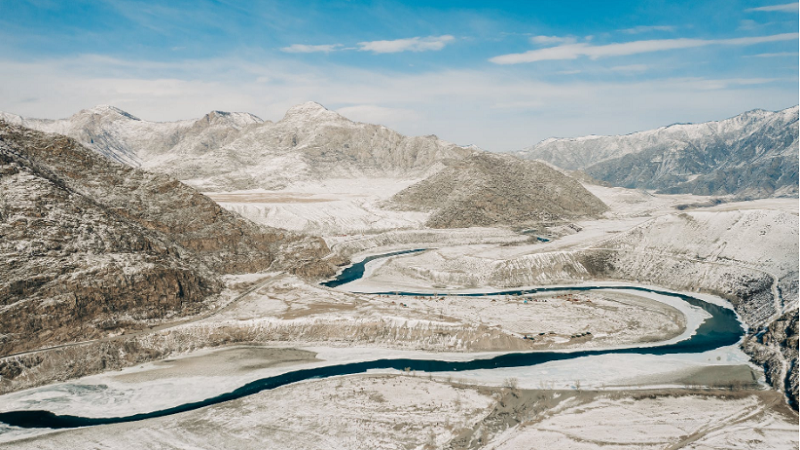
(232, 151)
(489, 190)
(753, 155)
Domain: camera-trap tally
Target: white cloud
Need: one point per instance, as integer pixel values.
(773, 55)
(415, 44)
(573, 51)
(551, 40)
(302, 48)
(786, 7)
(647, 28)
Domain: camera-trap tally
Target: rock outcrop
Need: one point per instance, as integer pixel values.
(89, 246)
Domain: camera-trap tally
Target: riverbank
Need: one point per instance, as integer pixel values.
(386, 411)
(719, 330)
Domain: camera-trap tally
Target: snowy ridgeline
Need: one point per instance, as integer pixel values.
(231, 151)
(752, 155)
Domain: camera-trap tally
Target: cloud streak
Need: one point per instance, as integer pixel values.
(302, 48)
(415, 44)
(573, 51)
(550, 40)
(787, 7)
(647, 28)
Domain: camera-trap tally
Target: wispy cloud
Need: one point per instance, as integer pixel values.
(786, 7)
(773, 55)
(550, 40)
(647, 28)
(302, 48)
(415, 44)
(573, 51)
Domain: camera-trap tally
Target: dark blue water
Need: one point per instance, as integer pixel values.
(722, 329)
(356, 271)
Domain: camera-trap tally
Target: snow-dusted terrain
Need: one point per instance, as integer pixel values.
(318, 173)
(234, 151)
(752, 155)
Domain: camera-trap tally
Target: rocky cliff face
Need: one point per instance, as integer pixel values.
(89, 246)
(752, 155)
(489, 190)
(229, 151)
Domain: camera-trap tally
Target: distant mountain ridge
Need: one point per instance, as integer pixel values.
(754, 154)
(231, 151)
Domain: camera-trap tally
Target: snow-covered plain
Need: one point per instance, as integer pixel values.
(329, 207)
(392, 411)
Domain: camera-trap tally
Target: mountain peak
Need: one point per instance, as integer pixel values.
(236, 119)
(311, 111)
(106, 110)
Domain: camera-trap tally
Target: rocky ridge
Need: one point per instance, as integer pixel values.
(752, 155)
(89, 246)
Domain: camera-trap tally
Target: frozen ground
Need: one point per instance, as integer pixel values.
(414, 412)
(206, 373)
(289, 324)
(330, 207)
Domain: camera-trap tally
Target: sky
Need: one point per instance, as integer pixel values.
(502, 75)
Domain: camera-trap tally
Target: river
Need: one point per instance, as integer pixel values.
(721, 329)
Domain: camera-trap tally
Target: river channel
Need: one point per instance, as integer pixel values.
(721, 329)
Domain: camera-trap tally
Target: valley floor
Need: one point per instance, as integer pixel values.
(717, 399)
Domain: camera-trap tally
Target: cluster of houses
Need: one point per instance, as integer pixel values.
(573, 298)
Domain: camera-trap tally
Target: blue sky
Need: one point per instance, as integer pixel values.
(502, 75)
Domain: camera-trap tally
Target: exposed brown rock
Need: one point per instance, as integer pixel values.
(89, 246)
(489, 190)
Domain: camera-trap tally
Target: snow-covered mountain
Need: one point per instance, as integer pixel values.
(754, 154)
(228, 151)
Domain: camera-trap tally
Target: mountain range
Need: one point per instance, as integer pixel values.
(225, 151)
(752, 155)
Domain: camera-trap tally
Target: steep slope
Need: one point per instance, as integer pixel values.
(89, 246)
(488, 190)
(230, 151)
(753, 155)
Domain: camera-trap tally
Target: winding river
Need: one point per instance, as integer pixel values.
(721, 329)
